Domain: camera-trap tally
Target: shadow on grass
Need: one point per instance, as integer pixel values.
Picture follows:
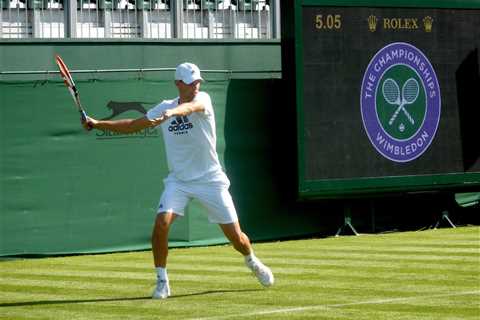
(50, 302)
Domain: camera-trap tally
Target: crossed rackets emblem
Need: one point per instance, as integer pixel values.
(409, 94)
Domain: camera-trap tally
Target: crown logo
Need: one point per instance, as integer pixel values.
(372, 23)
(427, 23)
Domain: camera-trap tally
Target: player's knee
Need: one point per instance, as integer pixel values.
(161, 224)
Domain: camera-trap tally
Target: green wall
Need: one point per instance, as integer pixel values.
(64, 190)
(258, 59)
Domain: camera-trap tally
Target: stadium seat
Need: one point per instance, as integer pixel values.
(57, 4)
(227, 4)
(37, 4)
(207, 4)
(153, 4)
(201, 4)
(105, 4)
(20, 4)
(87, 4)
(124, 4)
(247, 5)
(145, 4)
(5, 4)
(140, 4)
(190, 4)
(121, 4)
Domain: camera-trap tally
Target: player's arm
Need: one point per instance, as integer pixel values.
(123, 125)
(185, 109)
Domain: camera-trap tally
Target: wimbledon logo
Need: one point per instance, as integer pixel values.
(400, 102)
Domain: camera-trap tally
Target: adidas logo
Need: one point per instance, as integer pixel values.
(180, 125)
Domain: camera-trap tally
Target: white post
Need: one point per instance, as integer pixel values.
(36, 23)
(233, 23)
(143, 23)
(176, 9)
(107, 22)
(70, 11)
(275, 18)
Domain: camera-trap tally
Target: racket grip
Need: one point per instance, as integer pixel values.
(83, 116)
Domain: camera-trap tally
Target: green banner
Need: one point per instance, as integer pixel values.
(65, 190)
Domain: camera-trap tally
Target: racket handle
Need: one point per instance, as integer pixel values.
(83, 116)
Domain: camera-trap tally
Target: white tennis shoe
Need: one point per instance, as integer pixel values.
(162, 290)
(261, 271)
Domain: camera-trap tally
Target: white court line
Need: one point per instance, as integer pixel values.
(340, 305)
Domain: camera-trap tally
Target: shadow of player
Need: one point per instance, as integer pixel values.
(93, 300)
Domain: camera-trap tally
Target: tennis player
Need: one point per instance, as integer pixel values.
(188, 127)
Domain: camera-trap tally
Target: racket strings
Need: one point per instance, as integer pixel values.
(410, 91)
(391, 91)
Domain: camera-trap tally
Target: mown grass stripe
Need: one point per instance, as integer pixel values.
(293, 267)
(47, 286)
(361, 256)
(312, 247)
(311, 252)
(350, 274)
(236, 262)
(128, 275)
(390, 301)
(307, 263)
(213, 282)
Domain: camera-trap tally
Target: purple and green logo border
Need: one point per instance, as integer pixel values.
(400, 102)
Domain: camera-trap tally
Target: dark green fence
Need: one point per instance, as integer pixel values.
(64, 190)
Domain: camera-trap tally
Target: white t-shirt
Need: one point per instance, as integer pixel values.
(190, 141)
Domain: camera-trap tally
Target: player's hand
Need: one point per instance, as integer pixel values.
(164, 116)
(89, 123)
(168, 113)
(157, 121)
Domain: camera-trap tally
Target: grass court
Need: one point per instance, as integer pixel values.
(431, 274)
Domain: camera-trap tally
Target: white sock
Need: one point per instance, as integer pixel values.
(162, 273)
(249, 258)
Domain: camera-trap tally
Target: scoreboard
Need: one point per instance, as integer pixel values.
(387, 95)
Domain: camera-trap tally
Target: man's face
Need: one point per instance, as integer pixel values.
(188, 91)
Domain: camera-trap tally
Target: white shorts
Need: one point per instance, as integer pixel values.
(214, 196)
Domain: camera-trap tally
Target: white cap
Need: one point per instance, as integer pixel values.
(187, 72)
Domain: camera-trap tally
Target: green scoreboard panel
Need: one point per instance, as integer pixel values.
(388, 96)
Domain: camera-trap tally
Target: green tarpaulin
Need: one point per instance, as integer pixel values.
(64, 190)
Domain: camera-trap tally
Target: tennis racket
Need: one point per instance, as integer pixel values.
(67, 78)
(391, 94)
(410, 92)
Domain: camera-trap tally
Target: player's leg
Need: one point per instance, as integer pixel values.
(221, 210)
(161, 228)
(237, 238)
(172, 204)
(162, 225)
(241, 243)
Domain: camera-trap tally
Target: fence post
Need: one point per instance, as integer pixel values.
(36, 24)
(275, 18)
(233, 23)
(107, 22)
(143, 23)
(177, 18)
(211, 22)
(70, 11)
